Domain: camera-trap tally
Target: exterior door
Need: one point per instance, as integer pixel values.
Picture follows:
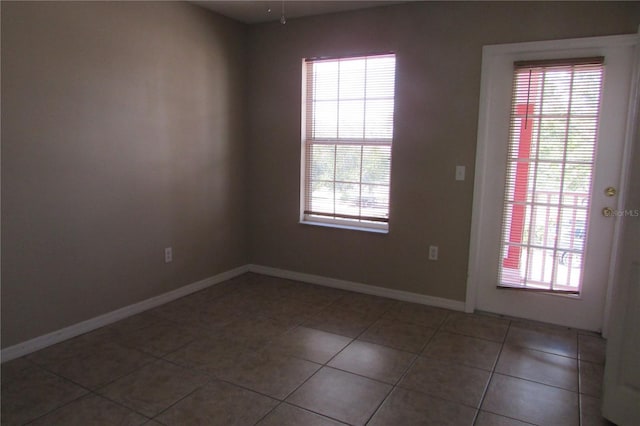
(552, 136)
(621, 396)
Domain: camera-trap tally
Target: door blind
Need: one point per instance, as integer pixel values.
(349, 110)
(550, 162)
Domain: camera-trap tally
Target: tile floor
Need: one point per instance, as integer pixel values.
(258, 350)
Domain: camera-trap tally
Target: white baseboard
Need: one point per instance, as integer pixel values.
(52, 338)
(405, 296)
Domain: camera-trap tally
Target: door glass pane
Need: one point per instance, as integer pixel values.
(554, 119)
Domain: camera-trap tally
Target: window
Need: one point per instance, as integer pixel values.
(554, 124)
(348, 132)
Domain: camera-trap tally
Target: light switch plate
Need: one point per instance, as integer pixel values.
(460, 170)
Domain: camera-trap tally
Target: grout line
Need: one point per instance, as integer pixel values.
(121, 404)
(191, 370)
(353, 339)
(537, 382)
(324, 416)
(325, 364)
(269, 412)
(375, 411)
(528, 348)
(508, 417)
(409, 367)
(579, 379)
(424, 346)
(493, 371)
(59, 407)
(315, 412)
(170, 406)
(90, 393)
(393, 386)
(359, 375)
(229, 382)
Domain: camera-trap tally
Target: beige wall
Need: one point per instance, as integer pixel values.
(439, 51)
(122, 134)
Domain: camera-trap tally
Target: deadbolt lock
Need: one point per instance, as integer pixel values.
(610, 191)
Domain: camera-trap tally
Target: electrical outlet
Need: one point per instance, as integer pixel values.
(460, 171)
(168, 255)
(433, 252)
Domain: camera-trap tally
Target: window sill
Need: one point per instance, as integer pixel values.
(347, 227)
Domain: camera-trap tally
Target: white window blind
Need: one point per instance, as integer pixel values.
(348, 121)
(550, 161)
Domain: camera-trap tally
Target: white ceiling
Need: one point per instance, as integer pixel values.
(253, 12)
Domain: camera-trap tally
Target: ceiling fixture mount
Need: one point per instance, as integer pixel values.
(283, 19)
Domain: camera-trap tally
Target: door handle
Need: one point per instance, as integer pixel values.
(607, 212)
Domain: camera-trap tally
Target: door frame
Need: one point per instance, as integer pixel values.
(483, 163)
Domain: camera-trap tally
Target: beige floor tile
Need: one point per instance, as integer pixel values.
(531, 402)
(211, 318)
(341, 321)
(319, 295)
(290, 305)
(340, 395)
(591, 348)
(591, 375)
(208, 354)
(184, 310)
(218, 403)
(289, 311)
(469, 351)
(91, 410)
(427, 316)
(547, 338)
(244, 302)
(591, 414)
(35, 393)
(89, 361)
(398, 335)
(219, 290)
(373, 361)
(252, 332)
(365, 303)
(289, 321)
(156, 339)
(14, 369)
(409, 408)
(543, 367)
(271, 374)
(255, 294)
(288, 415)
(490, 419)
(474, 325)
(132, 323)
(261, 285)
(310, 344)
(154, 387)
(453, 382)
